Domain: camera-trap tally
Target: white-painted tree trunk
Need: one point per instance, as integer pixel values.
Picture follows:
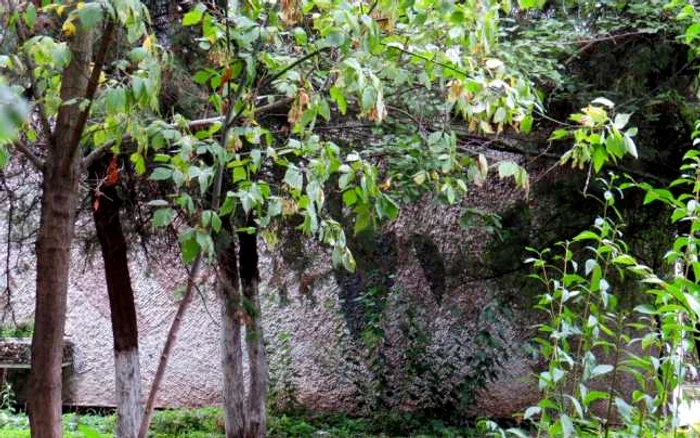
(128, 392)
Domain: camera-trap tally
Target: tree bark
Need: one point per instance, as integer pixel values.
(53, 247)
(167, 348)
(232, 351)
(106, 204)
(250, 279)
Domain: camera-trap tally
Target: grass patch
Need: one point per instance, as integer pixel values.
(208, 423)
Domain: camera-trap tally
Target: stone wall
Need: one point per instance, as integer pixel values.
(433, 309)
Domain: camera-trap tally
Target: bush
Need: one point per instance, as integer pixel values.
(185, 422)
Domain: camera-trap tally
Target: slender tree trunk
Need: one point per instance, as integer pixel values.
(106, 205)
(53, 247)
(232, 351)
(250, 279)
(167, 348)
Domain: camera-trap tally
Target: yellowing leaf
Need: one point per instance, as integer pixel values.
(68, 28)
(148, 43)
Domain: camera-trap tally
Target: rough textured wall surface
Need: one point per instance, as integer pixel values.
(433, 309)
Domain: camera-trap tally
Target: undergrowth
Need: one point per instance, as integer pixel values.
(208, 423)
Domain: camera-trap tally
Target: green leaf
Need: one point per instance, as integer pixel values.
(189, 248)
(599, 370)
(4, 155)
(363, 220)
(592, 396)
(526, 124)
(692, 304)
(239, 174)
(201, 77)
(349, 261)
(615, 145)
(531, 4)
(324, 110)
(228, 205)
(507, 168)
(692, 32)
(204, 241)
(349, 197)
(161, 174)
(90, 14)
(500, 115)
(30, 15)
(300, 36)
(294, 178)
(116, 100)
(600, 157)
(194, 16)
(369, 98)
(387, 208)
(559, 134)
(339, 99)
(586, 235)
(163, 217)
(139, 163)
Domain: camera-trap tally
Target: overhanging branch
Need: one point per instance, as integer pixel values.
(193, 125)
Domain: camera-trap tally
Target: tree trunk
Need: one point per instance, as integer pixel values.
(53, 247)
(232, 352)
(106, 205)
(169, 344)
(254, 335)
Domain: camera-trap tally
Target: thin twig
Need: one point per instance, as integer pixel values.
(35, 160)
(591, 42)
(292, 65)
(432, 61)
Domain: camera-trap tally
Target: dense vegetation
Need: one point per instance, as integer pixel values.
(239, 124)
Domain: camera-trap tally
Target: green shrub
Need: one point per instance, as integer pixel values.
(178, 422)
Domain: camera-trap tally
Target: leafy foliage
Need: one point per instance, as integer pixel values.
(13, 110)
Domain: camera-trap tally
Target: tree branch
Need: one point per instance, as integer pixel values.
(193, 125)
(90, 92)
(426, 59)
(591, 42)
(292, 65)
(43, 118)
(35, 160)
(503, 145)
